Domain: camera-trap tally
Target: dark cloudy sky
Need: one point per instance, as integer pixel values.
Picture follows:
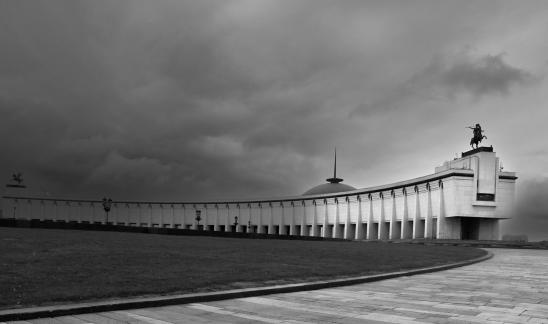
(182, 100)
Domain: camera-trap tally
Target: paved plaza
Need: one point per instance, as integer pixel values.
(512, 287)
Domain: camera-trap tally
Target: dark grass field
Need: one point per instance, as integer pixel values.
(44, 266)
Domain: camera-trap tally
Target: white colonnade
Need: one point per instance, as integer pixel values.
(404, 212)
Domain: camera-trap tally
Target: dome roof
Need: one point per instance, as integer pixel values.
(329, 187)
(333, 184)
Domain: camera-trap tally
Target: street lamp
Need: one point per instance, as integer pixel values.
(107, 203)
(198, 218)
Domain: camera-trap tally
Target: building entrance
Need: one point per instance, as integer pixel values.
(469, 228)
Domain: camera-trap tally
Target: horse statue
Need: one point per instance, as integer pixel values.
(478, 136)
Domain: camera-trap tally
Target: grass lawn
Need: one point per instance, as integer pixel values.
(46, 266)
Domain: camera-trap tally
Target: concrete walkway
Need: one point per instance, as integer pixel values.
(510, 288)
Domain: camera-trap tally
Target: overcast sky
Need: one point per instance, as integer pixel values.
(183, 100)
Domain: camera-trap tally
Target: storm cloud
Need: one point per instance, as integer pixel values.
(183, 100)
(450, 76)
(486, 75)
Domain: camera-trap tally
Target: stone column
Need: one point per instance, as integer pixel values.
(116, 214)
(314, 231)
(18, 210)
(15, 209)
(429, 233)
(326, 220)
(138, 206)
(127, 210)
(112, 215)
(149, 215)
(249, 223)
(183, 219)
(260, 220)
(194, 222)
(383, 232)
(227, 218)
(381, 218)
(442, 225)
(239, 218)
(216, 227)
(304, 223)
(336, 230)
(91, 213)
(282, 221)
(417, 227)
(58, 206)
(70, 211)
(83, 212)
(29, 209)
(78, 208)
(58, 210)
(78, 211)
(292, 223)
(406, 232)
(161, 222)
(88, 208)
(347, 219)
(359, 223)
(370, 235)
(270, 219)
(205, 218)
(42, 210)
(67, 210)
(391, 234)
(94, 210)
(172, 218)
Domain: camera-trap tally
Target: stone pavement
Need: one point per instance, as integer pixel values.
(512, 287)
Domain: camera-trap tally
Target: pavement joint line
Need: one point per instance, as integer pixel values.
(157, 301)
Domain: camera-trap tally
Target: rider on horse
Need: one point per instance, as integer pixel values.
(478, 135)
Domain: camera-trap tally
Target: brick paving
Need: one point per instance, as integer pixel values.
(512, 287)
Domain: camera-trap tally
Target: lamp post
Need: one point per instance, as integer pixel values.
(107, 203)
(198, 218)
(235, 223)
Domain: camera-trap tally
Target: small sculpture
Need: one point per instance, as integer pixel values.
(16, 181)
(17, 177)
(478, 135)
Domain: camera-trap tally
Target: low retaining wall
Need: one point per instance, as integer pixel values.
(35, 223)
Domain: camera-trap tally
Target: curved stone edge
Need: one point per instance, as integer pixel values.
(130, 303)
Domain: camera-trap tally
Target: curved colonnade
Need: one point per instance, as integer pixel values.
(409, 209)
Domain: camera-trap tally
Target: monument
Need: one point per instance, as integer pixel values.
(465, 198)
(16, 181)
(478, 135)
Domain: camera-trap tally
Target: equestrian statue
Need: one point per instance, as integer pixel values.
(478, 135)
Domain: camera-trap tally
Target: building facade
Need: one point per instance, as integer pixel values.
(465, 198)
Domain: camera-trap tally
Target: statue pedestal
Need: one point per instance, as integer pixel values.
(11, 190)
(15, 186)
(15, 190)
(477, 150)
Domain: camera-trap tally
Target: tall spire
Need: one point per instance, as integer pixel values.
(335, 166)
(334, 179)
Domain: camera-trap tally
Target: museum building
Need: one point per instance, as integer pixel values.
(464, 198)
